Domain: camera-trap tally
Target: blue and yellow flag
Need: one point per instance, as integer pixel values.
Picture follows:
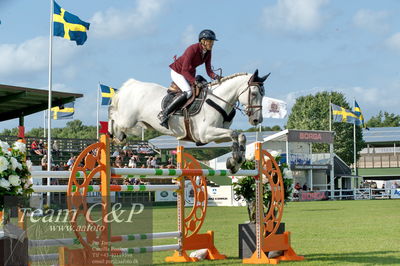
(106, 94)
(65, 111)
(341, 114)
(69, 26)
(358, 112)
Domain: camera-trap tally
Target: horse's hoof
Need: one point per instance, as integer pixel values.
(242, 139)
(230, 163)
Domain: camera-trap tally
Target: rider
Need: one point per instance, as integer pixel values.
(183, 71)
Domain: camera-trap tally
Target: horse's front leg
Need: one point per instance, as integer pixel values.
(238, 145)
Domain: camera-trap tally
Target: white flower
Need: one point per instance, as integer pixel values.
(14, 180)
(15, 164)
(4, 183)
(29, 164)
(3, 164)
(287, 173)
(275, 153)
(19, 191)
(19, 146)
(4, 146)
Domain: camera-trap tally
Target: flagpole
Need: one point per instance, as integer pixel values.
(97, 117)
(50, 84)
(355, 149)
(330, 112)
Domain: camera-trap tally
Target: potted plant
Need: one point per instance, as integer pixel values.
(244, 189)
(15, 187)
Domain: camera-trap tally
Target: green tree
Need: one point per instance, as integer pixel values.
(311, 112)
(10, 132)
(384, 119)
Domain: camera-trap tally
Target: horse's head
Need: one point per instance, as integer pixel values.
(251, 98)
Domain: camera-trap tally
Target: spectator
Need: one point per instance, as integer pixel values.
(71, 162)
(153, 162)
(41, 147)
(132, 162)
(148, 162)
(56, 148)
(115, 154)
(118, 162)
(305, 187)
(35, 148)
(43, 162)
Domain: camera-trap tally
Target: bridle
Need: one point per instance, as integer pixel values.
(248, 109)
(251, 109)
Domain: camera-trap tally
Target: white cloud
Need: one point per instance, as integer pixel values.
(126, 23)
(294, 15)
(371, 20)
(32, 55)
(393, 42)
(189, 36)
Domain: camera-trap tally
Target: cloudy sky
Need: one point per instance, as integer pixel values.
(308, 45)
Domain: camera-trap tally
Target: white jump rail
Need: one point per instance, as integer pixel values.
(120, 238)
(96, 188)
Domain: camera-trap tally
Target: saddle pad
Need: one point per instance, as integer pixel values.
(193, 109)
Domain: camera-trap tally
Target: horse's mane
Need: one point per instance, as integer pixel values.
(215, 82)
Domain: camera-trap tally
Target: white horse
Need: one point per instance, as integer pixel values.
(137, 104)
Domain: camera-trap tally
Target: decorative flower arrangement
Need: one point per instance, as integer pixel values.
(245, 187)
(14, 172)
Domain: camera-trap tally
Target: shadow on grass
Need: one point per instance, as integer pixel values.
(372, 258)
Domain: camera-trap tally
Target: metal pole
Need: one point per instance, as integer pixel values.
(97, 116)
(49, 98)
(332, 171)
(355, 149)
(287, 155)
(330, 113)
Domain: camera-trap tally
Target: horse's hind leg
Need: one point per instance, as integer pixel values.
(238, 152)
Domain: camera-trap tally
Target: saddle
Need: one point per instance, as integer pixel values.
(193, 104)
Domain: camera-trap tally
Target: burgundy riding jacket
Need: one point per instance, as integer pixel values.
(192, 58)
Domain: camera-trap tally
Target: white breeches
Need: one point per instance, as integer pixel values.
(182, 83)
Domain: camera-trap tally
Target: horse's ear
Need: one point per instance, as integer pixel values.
(265, 77)
(255, 75)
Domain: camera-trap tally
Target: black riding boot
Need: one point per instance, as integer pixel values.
(175, 104)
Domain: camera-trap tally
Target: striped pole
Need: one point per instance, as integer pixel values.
(120, 238)
(43, 257)
(96, 188)
(148, 249)
(147, 173)
(181, 172)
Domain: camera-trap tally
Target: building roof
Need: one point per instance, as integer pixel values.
(382, 135)
(18, 102)
(170, 143)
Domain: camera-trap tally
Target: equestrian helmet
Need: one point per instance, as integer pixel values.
(208, 35)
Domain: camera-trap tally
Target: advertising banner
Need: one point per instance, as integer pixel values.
(395, 194)
(310, 196)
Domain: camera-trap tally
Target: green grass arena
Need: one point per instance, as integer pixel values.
(325, 232)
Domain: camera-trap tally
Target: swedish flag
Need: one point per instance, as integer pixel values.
(106, 94)
(358, 112)
(341, 114)
(65, 111)
(69, 26)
